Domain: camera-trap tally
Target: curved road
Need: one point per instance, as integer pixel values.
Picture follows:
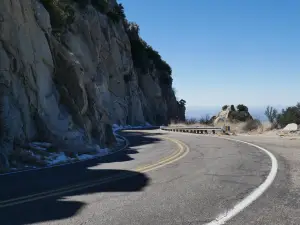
(162, 178)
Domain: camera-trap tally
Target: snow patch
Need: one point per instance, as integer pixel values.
(117, 127)
(58, 158)
(37, 147)
(53, 158)
(85, 157)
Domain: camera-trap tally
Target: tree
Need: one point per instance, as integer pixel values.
(242, 108)
(272, 114)
(182, 102)
(224, 107)
(289, 115)
(205, 120)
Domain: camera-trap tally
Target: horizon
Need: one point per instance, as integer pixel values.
(200, 112)
(237, 52)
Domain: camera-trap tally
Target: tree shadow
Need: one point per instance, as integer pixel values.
(138, 137)
(59, 207)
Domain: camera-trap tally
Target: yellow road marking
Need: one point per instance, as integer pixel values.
(183, 150)
(162, 160)
(180, 153)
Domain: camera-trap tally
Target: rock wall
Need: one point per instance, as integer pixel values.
(67, 74)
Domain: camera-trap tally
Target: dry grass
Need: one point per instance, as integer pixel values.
(202, 122)
(243, 127)
(251, 127)
(254, 126)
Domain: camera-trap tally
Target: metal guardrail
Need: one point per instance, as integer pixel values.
(195, 130)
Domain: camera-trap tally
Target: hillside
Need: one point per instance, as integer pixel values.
(70, 69)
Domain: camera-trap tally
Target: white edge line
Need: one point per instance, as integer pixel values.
(255, 194)
(224, 217)
(69, 163)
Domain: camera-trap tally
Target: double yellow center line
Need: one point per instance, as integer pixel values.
(178, 154)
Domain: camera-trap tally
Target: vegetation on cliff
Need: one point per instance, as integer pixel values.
(145, 58)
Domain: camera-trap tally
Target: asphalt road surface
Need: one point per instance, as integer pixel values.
(162, 178)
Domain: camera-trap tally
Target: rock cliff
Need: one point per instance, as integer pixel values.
(70, 69)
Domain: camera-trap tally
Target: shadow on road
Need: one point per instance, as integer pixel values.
(60, 207)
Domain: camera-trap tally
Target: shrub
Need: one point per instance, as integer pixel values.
(289, 115)
(224, 107)
(191, 121)
(232, 108)
(61, 13)
(139, 57)
(182, 102)
(205, 120)
(272, 115)
(143, 55)
(100, 5)
(81, 3)
(251, 125)
(159, 63)
(119, 9)
(117, 13)
(166, 80)
(242, 108)
(113, 16)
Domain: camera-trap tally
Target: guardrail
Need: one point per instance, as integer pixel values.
(195, 130)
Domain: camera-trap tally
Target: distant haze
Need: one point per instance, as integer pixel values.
(257, 112)
(222, 52)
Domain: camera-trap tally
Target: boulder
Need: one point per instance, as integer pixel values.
(291, 127)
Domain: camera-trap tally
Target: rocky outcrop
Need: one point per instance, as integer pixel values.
(67, 73)
(230, 114)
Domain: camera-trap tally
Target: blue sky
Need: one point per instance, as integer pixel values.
(225, 52)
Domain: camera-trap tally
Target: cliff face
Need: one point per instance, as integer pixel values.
(70, 69)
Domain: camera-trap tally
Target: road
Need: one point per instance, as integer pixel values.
(163, 178)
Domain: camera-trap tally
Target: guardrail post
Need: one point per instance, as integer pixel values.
(197, 130)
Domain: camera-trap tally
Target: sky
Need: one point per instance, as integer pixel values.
(225, 52)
